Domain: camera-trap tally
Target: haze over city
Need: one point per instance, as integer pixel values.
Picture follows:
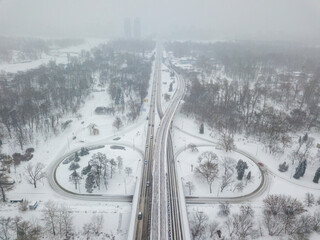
(159, 119)
(178, 19)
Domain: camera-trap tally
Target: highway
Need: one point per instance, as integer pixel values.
(167, 219)
(142, 226)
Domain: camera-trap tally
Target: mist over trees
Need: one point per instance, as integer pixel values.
(35, 101)
(14, 50)
(235, 87)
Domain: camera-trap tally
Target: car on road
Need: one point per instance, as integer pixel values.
(151, 137)
(148, 183)
(139, 215)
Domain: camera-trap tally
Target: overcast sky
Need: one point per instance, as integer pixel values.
(175, 19)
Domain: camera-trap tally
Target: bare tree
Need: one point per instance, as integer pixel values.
(247, 210)
(5, 226)
(65, 222)
(224, 209)
(94, 227)
(97, 221)
(228, 164)
(34, 174)
(309, 200)
(27, 230)
(128, 170)
(50, 215)
(199, 225)
(239, 187)
(280, 213)
(207, 168)
(241, 226)
(213, 228)
(23, 206)
(193, 147)
(113, 166)
(4, 186)
(226, 141)
(120, 163)
(226, 180)
(190, 186)
(117, 123)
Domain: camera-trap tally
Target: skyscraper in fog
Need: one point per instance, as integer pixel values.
(127, 28)
(137, 28)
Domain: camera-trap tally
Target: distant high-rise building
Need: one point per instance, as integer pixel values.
(127, 28)
(137, 28)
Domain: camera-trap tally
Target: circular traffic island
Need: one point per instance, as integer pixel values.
(104, 169)
(207, 171)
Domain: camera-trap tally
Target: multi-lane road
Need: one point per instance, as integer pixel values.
(161, 206)
(142, 225)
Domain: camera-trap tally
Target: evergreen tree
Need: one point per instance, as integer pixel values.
(283, 167)
(84, 151)
(90, 181)
(76, 157)
(305, 137)
(303, 167)
(299, 171)
(201, 128)
(317, 176)
(73, 166)
(86, 169)
(241, 167)
(249, 176)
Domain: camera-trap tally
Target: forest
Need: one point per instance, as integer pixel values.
(35, 101)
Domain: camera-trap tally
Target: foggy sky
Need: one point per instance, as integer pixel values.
(295, 20)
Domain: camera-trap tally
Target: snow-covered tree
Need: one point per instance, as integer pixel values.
(33, 174)
(4, 187)
(207, 169)
(75, 178)
(120, 163)
(226, 180)
(317, 176)
(74, 166)
(117, 123)
(128, 170)
(309, 199)
(199, 225)
(241, 167)
(224, 209)
(190, 187)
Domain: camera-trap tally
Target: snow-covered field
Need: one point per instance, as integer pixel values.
(57, 55)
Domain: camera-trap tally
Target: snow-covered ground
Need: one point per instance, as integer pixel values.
(188, 161)
(116, 216)
(212, 211)
(186, 131)
(251, 146)
(50, 148)
(121, 183)
(57, 55)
